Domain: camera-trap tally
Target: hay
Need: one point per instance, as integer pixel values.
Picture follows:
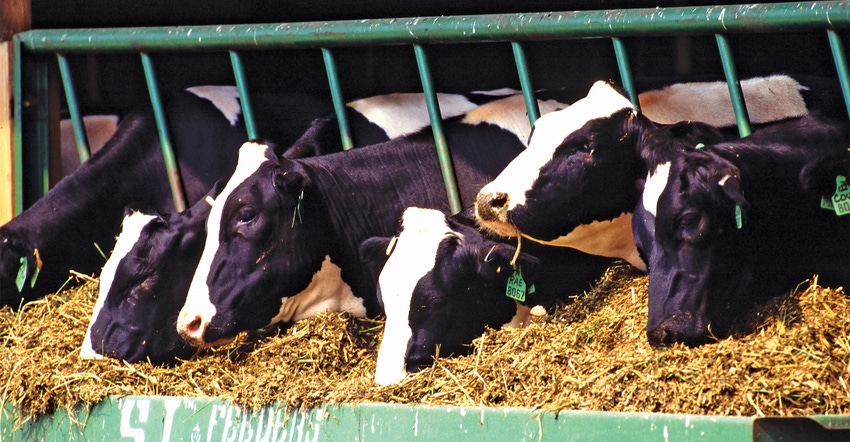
(591, 355)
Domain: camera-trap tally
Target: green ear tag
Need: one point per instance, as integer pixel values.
(516, 285)
(22, 274)
(826, 203)
(841, 198)
(739, 218)
(699, 146)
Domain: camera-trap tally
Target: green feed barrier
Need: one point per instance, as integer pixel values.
(143, 418)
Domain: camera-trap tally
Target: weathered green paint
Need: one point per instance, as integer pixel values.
(175, 419)
(443, 154)
(445, 29)
(840, 60)
(244, 95)
(735, 92)
(625, 71)
(172, 170)
(337, 98)
(525, 82)
(80, 136)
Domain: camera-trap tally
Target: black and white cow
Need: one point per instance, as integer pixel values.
(732, 223)
(64, 230)
(575, 186)
(145, 280)
(280, 226)
(442, 283)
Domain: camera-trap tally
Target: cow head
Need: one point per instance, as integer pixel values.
(575, 179)
(442, 284)
(699, 261)
(144, 283)
(264, 246)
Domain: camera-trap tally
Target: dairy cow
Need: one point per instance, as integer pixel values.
(280, 226)
(442, 283)
(64, 230)
(145, 280)
(740, 221)
(575, 186)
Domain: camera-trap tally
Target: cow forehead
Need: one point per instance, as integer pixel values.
(601, 101)
(549, 132)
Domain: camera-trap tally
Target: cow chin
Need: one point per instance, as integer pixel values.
(681, 328)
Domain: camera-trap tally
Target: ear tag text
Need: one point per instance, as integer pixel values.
(841, 198)
(516, 288)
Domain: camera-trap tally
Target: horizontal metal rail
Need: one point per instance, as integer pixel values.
(777, 17)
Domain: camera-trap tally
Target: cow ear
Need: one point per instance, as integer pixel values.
(288, 181)
(374, 253)
(818, 176)
(321, 138)
(498, 257)
(681, 128)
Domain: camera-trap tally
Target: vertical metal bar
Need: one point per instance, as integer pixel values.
(80, 135)
(443, 154)
(164, 138)
(244, 96)
(32, 128)
(735, 92)
(525, 82)
(336, 98)
(625, 70)
(840, 65)
(18, 115)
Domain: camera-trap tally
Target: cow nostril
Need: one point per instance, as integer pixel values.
(497, 200)
(193, 331)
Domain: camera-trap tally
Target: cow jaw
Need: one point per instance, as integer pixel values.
(414, 256)
(198, 311)
(131, 231)
(327, 292)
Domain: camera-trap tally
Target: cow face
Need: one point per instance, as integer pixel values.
(144, 283)
(266, 241)
(585, 149)
(443, 283)
(698, 263)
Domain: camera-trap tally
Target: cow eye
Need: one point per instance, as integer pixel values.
(247, 215)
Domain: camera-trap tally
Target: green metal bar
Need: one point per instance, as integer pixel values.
(17, 139)
(31, 118)
(625, 71)
(525, 82)
(775, 17)
(336, 98)
(443, 154)
(735, 92)
(840, 65)
(164, 138)
(244, 96)
(80, 135)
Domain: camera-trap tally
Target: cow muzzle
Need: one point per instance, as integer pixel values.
(681, 328)
(491, 211)
(192, 329)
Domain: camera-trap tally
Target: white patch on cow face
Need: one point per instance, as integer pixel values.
(656, 182)
(327, 292)
(510, 114)
(549, 132)
(224, 98)
(198, 306)
(611, 238)
(402, 114)
(414, 255)
(131, 230)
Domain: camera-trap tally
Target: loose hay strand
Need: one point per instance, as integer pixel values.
(590, 355)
